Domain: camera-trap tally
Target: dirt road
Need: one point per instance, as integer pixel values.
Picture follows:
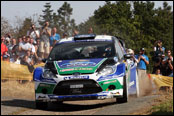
(18, 99)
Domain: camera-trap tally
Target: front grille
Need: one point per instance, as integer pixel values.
(89, 87)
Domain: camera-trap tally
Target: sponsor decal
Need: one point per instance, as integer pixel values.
(66, 70)
(110, 77)
(76, 77)
(78, 64)
(131, 83)
(81, 66)
(76, 69)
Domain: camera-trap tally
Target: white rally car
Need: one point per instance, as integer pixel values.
(84, 67)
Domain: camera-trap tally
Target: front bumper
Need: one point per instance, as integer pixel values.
(99, 96)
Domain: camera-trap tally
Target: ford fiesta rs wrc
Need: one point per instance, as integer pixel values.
(83, 67)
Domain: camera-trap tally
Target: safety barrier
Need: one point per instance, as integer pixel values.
(160, 80)
(12, 71)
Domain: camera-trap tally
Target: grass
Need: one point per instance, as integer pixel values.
(165, 108)
(164, 105)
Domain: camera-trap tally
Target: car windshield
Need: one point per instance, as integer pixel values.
(82, 50)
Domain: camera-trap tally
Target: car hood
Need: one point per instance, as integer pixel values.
(65, 67)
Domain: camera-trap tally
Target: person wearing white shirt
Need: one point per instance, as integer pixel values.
(33, 33)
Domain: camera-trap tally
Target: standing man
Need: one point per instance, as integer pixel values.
(44, 46)
(168, 64)
(54, 37)
(33, 33)
(143, 80)
(143, 61)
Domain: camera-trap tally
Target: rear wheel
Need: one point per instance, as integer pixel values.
(41, 105)
(125, 92)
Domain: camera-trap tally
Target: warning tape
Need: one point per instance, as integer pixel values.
(160, 80)
(12, 71)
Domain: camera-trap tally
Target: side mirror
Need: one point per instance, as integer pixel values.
(44, 60)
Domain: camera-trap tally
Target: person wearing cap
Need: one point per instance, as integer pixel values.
(143, 61)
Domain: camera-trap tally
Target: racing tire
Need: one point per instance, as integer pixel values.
(41, 105)
(124, 99)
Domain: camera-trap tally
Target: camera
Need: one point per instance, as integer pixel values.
(168, 59)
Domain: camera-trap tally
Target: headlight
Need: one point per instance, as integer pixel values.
(48, 74)
(106, 71)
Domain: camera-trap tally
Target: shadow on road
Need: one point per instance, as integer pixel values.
(18, 103)
(54, 107)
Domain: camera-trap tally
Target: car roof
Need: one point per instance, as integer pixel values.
(97, 38)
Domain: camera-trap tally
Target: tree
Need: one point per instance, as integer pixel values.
(6, 27)
(24, 27)
(138, 27)
(66, 24)
(47, 15)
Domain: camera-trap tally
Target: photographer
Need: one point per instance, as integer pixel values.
(132, 60)
(44, 46)
(33, 33)
(168, 64)
(143, 61)
(158, 64)
(158, 51)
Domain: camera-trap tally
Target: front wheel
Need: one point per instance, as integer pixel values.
(124, 99)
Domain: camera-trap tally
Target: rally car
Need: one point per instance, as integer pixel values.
(83, 67)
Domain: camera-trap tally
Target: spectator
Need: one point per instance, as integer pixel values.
(44, 47)
(19, 40)
(143, 61)
(4, 49)
(90, 30)
(15, 59)
(132, 60)
(158, 51)
(168, 64)
(7, 39)
(37, 58)
(75, 32)
(28, 62)
(158, 64)
(158, 71)
(22, 42)
(54, 38)
(65, 35)
(33, 33)
(10, 47)
(33, 51)
(24, 47)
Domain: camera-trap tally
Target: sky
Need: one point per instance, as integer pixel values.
(81, 9)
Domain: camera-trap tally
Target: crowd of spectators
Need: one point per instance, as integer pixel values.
(162, 60)
(36, 45)
(31, 48)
